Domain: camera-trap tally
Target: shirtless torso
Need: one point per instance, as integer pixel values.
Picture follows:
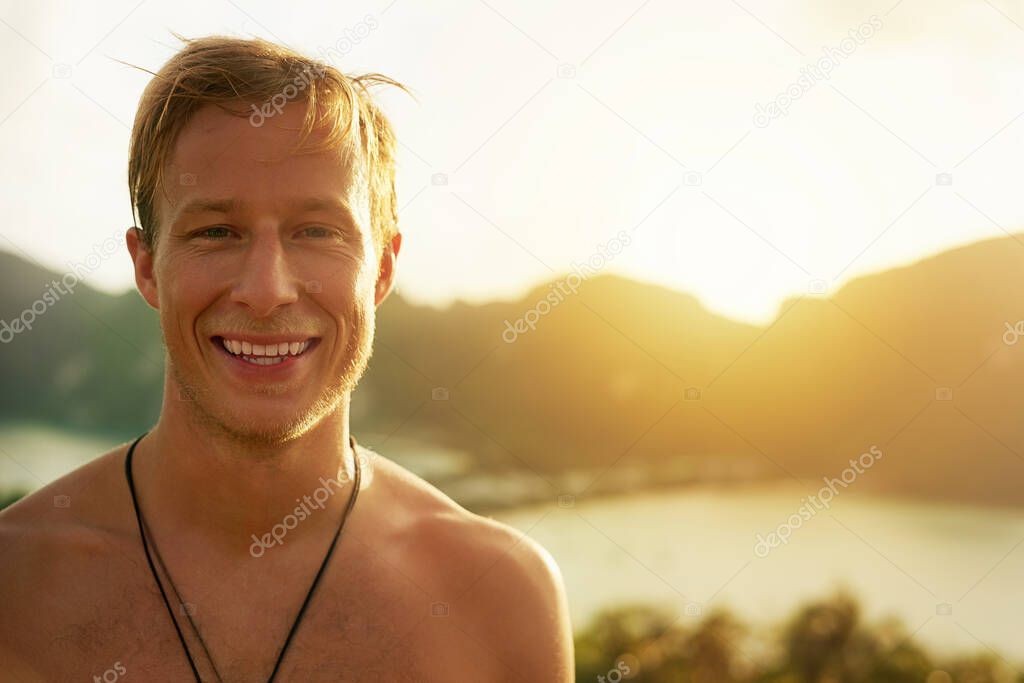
(419, 589)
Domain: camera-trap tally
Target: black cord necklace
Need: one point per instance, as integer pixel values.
(185, 611)
(163, 594)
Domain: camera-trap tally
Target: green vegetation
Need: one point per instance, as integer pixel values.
(10, 497)
(824, 642)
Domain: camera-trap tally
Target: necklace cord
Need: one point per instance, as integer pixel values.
(177, 596)
(323, 565)
(309, 594)
(145, 547)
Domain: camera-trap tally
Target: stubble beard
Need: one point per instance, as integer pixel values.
(259, 435)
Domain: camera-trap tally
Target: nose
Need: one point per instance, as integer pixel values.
(267, 280)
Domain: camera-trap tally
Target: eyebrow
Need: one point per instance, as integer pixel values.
(207, 205)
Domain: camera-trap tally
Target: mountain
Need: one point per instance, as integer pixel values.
(623, 374)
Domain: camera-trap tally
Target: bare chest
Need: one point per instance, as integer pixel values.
(367, 621)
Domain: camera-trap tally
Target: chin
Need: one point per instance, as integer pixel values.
(261, 420)
(273, 429)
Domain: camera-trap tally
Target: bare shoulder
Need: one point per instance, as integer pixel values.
(52, 543)
(73, 517)
(80, 498)
(500, 584)
(419, 510)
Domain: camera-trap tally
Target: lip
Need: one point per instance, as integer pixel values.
(290, 365)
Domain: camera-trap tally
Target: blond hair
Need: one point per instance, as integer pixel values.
(225, 70)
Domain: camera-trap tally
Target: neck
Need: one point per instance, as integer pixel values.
(199, 483)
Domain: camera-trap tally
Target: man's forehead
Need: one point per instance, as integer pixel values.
(213, 136)
(222, 162)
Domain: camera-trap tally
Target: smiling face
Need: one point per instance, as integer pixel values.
(265, 274)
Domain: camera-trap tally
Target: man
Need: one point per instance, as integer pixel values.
(268, 236)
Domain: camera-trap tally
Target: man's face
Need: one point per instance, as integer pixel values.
(265, 274)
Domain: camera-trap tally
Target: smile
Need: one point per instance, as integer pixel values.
(263, 353)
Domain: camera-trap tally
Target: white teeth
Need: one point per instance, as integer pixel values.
(269, 351)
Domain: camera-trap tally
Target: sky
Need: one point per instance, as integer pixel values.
(541, 130)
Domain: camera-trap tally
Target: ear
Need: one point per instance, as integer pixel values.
(386, 275)
(142, 257)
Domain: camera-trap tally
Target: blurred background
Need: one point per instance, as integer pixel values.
(719, 302)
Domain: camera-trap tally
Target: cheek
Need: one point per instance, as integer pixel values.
(349, 303)
(343, 280)
(338, 300)
(184, 289)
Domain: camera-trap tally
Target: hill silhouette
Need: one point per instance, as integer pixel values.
(625, 374)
